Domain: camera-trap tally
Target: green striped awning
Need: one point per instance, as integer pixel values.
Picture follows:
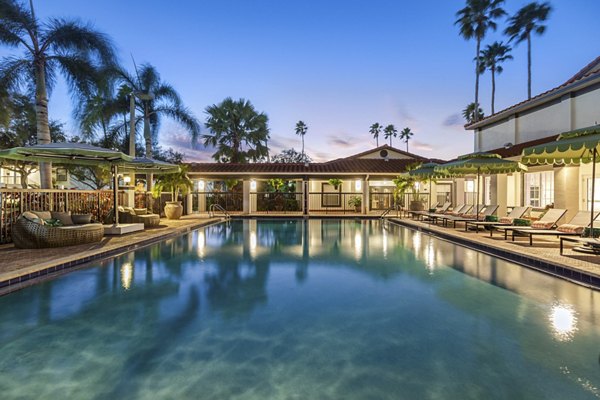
(482, 163)
(66, 153)
(572, 147)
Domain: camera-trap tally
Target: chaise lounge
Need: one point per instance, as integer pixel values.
(548, 221)
(516, 212)
(574, 227)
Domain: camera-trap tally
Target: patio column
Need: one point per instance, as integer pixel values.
(499, 193)
(189, 203)
(566, 190)
(304, 197)
(246, 196)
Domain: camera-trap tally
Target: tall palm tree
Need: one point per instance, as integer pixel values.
(528, 19)
(301, 129)
(68, 47)
(491, 57)
(156, 99)
(390, 131)
(406, 134)
(469, 113)
(375, 130)
(475, 20)
(237, 131)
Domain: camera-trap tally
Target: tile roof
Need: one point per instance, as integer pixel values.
(590, 71)
(517, 149)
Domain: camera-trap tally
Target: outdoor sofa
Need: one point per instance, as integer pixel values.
(128, 215)
(32, 231)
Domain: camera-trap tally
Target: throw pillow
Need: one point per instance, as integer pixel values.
(570, 228)
(542, 225)
(43, 214)
(521, 222)
(64, 217)
(53, 222)
(32, 217)
(506, 220)
(81, 219)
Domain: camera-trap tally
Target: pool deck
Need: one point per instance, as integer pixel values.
(18, 265)
(544, 255)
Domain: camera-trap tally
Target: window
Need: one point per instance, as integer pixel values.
(596, 195)
(331, 196)
(539, 189)
(469, 191)
(487, 193)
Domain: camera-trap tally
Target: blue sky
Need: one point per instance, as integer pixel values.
(337, 65)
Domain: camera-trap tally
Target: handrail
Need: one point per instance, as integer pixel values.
(211, 210)
(386, 212)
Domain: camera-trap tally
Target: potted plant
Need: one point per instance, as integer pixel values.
(335, 183)
(176, 184)
(356, 202)
(408, 184)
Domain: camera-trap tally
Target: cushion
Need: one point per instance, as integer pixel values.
(140, 211)
(32, 217)
(521, 222)
(81, 219)
(469, 216)
(542, 225)
(121, 208)
(64, 217)
(506, 220)
(491, 218)
(570, 228)
(43, 214)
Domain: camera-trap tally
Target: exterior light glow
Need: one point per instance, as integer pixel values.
(127, 179)
(253, 185)
(200, 185)
(358, 185)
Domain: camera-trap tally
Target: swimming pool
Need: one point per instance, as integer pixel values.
(318, 309)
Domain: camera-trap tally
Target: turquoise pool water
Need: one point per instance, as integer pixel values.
(324, 309)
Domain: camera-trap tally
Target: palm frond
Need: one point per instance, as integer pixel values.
(14, 73)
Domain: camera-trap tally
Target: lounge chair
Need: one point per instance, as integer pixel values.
(548, 221)
(31, 232)
(463, 215)
(487, 211)
(574, 227)
(439, 210)
(516, 212)
(456, 211)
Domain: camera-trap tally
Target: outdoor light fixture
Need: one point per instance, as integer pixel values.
(127, 180)
(200, 185)
(253, 185)
(358, 185)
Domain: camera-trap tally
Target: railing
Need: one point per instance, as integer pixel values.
(213, 207)
(13, 202)
(333, 202)
(276, 202)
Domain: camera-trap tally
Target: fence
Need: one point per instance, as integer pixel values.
(13, 202)
(326, 202)
(266, 202)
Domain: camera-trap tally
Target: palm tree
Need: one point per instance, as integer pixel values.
(156, 99)
(475, 20)
(301, 129)
(390, 131)
(56, 46)
(405, 134)
(375, 130)
(491, 57)
(527, 20)
(469, 113)
(237, 131)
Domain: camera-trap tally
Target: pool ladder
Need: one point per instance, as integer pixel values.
(218, 207)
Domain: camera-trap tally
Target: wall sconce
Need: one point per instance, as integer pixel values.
(253, 185)
(126, 180)
(358, 185)
(200, 185)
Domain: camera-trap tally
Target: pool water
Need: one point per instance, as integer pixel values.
(318, 309)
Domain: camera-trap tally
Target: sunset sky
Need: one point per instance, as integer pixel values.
(337, 65)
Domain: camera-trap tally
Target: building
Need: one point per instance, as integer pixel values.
(307, 188)
(574, 104)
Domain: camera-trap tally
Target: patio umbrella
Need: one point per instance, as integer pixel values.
(574, 147)
(72, 153)
(480, 163)
(427, 172)
(150, 165)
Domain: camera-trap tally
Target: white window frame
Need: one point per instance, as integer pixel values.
(542, 185)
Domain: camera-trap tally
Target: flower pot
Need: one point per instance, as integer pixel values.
(357, 209)
(416, 205)
(173, 210)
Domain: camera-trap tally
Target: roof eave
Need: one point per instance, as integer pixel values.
(582, 84)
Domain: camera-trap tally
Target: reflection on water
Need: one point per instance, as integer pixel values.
(321, 309)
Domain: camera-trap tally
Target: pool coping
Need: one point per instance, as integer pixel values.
(557, 270)
(21, 278)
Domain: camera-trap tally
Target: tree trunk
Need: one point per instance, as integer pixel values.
(41, 116)
(407, 145)
(476, 118)
(528, 66)
(148, 138)
(377, 140)
(24, 179)
(493, 87)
